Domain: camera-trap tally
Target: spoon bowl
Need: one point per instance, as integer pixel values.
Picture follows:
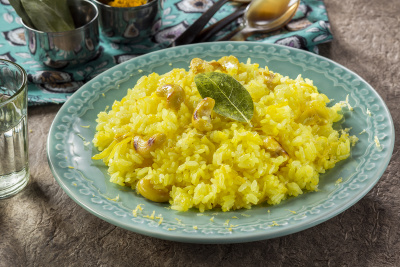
(264, 16)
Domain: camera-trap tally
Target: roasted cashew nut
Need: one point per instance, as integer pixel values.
(274, 148)
(174, 93)
(198, 65)
(147, 190)
(144, 147)
(229, 63)
(201, 118)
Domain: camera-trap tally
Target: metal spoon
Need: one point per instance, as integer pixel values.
(264, 16)
(190, 33)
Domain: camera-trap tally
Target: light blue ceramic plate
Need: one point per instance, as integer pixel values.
(86, 180)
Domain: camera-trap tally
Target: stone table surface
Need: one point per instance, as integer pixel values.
(42, 226)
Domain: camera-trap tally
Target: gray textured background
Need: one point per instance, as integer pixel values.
(42, 226)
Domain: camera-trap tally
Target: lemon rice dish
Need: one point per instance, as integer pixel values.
(164, 139)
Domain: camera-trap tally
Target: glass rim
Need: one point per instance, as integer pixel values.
(23, 83)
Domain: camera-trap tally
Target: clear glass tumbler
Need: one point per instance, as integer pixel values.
(14, 165)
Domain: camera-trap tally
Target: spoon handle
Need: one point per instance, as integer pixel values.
(190, 33)
(210, 31)
(239, 34)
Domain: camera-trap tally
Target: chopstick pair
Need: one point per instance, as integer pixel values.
(210, 31)
(190, 34)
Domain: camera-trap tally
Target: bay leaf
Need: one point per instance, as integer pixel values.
(49, 15)
(232, 100)
(17, 5)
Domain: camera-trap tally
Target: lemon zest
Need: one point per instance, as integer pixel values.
(138, 208)
(113, 199)
(151, 216)
(377, 143)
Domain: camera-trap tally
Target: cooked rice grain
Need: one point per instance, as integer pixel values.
(227, 167)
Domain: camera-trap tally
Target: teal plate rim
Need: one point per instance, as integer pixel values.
(86, 181)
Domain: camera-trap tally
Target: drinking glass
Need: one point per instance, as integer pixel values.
(14, 166)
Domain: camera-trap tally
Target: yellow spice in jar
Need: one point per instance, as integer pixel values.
(127, 3)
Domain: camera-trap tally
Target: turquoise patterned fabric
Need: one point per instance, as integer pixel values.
(308, 28)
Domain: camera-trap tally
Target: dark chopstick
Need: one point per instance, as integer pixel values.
(190, 33)
(210, 31)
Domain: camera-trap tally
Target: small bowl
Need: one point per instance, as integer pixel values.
(128, 24)
(67, 48)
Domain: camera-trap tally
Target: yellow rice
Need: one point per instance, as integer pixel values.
(228, 166)
(127, 3)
